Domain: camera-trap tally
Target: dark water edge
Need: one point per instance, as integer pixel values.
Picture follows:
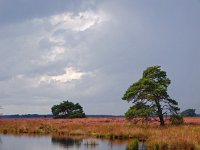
(24, 142)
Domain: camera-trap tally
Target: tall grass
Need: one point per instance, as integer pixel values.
(169, 137)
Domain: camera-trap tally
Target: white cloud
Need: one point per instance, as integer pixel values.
(60, 34)
(27, 82)
(80, 22)
(58, 40)
(69, 75)
(54, 54)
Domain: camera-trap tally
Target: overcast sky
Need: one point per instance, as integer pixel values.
(91, 51)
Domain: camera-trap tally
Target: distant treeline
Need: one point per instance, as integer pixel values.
(27, 116)
(51, 116)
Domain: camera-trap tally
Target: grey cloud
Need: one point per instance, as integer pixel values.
(137, 35)
(21, 10)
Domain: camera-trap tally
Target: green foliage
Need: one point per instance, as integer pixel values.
(67, 109)
(139, 110)
(176, 120)
(151, 89)
(188, 113)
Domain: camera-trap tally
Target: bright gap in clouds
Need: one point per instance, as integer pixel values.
(69, 75)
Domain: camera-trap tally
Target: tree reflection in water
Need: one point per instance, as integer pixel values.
(66, 142)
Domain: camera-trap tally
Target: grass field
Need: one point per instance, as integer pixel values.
(185, 136)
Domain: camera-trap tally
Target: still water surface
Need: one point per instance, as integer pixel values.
(12, 142)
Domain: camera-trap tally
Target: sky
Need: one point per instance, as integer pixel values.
(89, 52)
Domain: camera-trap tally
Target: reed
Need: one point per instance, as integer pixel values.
(133, 145)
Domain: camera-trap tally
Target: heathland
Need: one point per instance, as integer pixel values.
(186, 136)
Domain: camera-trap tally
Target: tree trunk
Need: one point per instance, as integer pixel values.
(159, 112)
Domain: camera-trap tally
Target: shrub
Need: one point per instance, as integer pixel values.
(176, 120)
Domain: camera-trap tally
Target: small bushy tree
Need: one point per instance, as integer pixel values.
(68, 109)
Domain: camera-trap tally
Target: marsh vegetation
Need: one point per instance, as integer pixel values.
(185, 136)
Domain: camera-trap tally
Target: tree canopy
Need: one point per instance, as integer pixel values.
(188, 113)
(68, 109)
(151, 90)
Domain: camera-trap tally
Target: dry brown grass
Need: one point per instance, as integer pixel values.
(186, 136)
